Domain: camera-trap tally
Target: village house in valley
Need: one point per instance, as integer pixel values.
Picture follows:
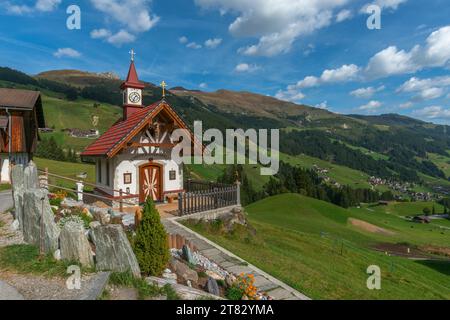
(134, 155)
(21, 115)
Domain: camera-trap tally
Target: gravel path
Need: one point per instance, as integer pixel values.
(35, 287)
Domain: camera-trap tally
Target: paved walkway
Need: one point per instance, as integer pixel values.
(234, 264)
(6, 201)
(8, 292)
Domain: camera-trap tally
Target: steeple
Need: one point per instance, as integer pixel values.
(132, 90)
(132, 80)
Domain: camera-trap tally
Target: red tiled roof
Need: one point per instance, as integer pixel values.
(104, 145)
(132, 79)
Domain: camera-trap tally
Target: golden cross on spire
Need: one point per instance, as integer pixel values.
(132, 53)
(163, 86)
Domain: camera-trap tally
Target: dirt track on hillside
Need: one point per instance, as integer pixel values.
(365, 226)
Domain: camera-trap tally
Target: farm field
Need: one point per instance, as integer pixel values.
(311, 245)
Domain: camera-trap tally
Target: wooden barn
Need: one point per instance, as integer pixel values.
(21, 115)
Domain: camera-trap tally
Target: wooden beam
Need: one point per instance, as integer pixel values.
(142, 145)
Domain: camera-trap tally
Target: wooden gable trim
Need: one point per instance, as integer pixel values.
(161, 106)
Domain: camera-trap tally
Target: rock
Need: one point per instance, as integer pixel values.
(170, 276)
(31, 180)
(101, 215)
(236, 210)
(36, 205)
(116, 218)
(244, 297)
(214, 275)
(75, 245)
(113, 250)
(94, 224)
(229, 280)
(128, 220)
(15, 225)
(57, 255)
(187, 255)
(212, 287)
(183, 271)
(18, 188)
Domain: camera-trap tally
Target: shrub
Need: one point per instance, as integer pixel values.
(426, 211)
(150, 243)
(234, 293)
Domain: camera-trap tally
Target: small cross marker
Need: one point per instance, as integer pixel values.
(132, 53)
(163, 86)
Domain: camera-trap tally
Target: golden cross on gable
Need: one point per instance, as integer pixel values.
(163, 86)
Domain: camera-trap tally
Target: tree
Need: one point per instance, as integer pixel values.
(433, 212)
(150, 243)
(426, 211)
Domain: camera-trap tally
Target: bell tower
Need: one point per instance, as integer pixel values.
(132, 90)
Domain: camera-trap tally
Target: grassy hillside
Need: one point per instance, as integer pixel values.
(310, 245)
(62, 114)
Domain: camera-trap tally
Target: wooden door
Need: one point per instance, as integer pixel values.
(150, 182)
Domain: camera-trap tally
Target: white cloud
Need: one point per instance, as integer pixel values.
(47, 5)
(193, 45)
(372, 106)
(384, 4)
(343, 15)
(277, 23)
(291, 95)
(342, 74)
(433, 112)
(40, 6)
(183, 40)
(203, 85)
(322, 105)
(426, 89)
(366, 93)
(121, 38)
(134, 15)
(213, 43)
(245, 67)
(406, 105)
(66, 52)
(100, 33)
(392, 61)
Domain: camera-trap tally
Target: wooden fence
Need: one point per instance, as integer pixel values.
(205, 200)
(123, 198)
(191, 185)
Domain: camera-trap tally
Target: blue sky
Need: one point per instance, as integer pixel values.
(316, 52)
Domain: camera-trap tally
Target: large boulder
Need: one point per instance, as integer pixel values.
(75, 245)
(113, 250)
(37, 206)
(31, 180)
(212, 286)
(184, 271)
(18, 188)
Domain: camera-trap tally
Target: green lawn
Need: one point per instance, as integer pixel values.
(66, 169)
(341, 174)
(309, 245)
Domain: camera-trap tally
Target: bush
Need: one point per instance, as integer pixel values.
(150, 243)
(426, 211)
(234, 293)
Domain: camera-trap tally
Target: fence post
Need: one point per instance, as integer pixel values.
(120, 200)
(238, 193)
(180, 203)
(80, 188)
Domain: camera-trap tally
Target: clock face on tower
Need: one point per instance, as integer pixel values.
(134, 97)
